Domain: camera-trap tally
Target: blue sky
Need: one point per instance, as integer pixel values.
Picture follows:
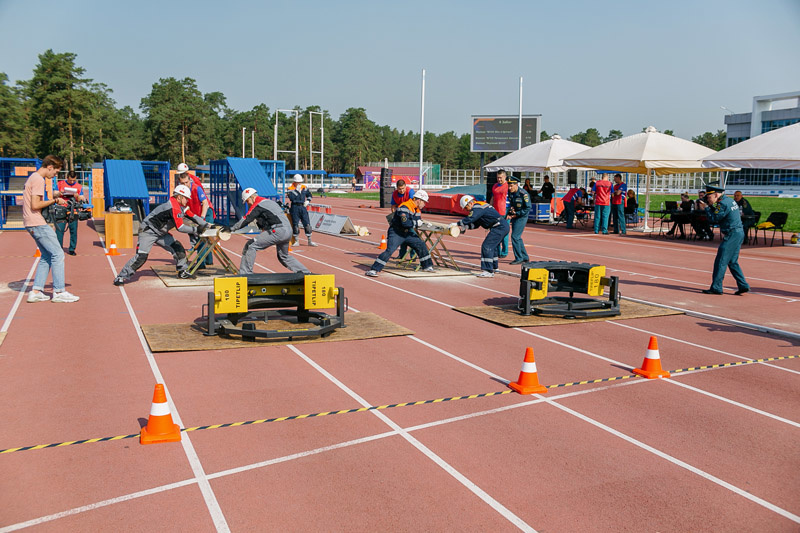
(605, 64)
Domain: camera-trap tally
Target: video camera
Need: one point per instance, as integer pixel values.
(67, 213)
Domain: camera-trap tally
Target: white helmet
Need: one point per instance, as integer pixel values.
(465, 200)
(297, 178)
(247, 193)
(183, 190)
(421, 195)
(183, 167)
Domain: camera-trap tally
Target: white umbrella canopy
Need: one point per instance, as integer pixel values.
(644, 153)
(778, 149)
(649, 152)
(539, 157)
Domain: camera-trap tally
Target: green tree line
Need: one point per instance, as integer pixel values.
(61, 111)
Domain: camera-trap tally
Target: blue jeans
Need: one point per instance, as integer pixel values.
(601, 218)
(52, 258)
(502, 248)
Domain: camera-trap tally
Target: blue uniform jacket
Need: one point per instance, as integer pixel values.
(298, 196)
(725, 213)
(406, 218)
(481, 216)
(520, 202)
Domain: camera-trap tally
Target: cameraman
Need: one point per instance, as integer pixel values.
(71, 191)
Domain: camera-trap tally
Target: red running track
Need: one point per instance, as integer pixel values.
(711, 450)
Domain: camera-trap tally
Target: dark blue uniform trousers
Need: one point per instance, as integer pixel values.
(728, 257)
(517, 227)
(393, 242)
(489, 248)
(300, 214)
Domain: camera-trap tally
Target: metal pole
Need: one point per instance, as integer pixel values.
(253, 144)
(243, 142)
(275, 139)
(422, 129)
(322, 142)
(296, 140)
(310, 140)
(519, 144)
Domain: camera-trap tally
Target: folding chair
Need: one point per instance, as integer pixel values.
(775, 222)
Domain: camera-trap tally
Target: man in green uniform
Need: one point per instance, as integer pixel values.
(722, 210)
(519, 206)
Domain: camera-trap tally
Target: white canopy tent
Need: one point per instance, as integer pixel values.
(778, 149)
(546, 156)
(649, 153)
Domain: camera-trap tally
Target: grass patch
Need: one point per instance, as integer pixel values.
(764, 204)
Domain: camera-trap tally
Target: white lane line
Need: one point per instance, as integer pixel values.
(98, 505)
(661, 335)
(299, 455)
(736, 490)
(22, 291)
(732, 402)
(210, 499)
(461, 478)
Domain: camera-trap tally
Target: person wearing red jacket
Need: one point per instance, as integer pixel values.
(198, 203)
(602, 204)
(69, 188)
(499, 196)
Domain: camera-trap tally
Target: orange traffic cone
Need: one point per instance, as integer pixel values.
(382, 245)
(37, 253)
(112, 249)
(528, 382)
(651, 367)
(160, 427)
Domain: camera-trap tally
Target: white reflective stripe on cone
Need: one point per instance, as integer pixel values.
(530, 368)
(159, 409)
(652, 354)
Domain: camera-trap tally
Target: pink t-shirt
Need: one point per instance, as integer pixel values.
(34, 186)
(499, 195)
(602, 192)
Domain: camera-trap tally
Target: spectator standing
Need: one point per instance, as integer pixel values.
(602, 204)
(620, 190)
(547, 189)
(70, 189)
(52, 258)
(499, 197)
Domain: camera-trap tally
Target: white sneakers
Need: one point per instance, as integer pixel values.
(371, 273)
(64, 297)
(429, 269)
(59, 297)
(485, 274)
(37, 296)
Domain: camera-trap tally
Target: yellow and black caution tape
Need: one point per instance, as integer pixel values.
(387, 406)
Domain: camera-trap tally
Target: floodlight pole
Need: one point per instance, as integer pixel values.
(243, 142)
(519, 143)
(253, 144)
(422, 129)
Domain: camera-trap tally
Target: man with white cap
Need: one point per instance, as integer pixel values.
(300, 197)
(198, 203)
(402, 231)
(155, 229)
(275, 231)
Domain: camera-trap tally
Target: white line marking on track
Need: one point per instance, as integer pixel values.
(661, 335)
(736, 490)
(22, 292)
(191, 455)
(461, 478)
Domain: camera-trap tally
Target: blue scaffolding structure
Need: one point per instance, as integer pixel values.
(125, 180)
(232, 175)
(11, 188)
